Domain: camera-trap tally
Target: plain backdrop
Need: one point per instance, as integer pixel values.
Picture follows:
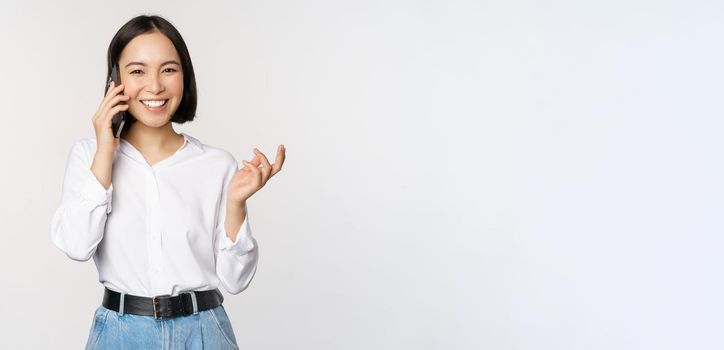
(460, 174)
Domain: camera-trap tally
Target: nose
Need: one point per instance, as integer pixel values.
(154, 85)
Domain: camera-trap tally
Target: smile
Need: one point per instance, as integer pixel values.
(154, 103)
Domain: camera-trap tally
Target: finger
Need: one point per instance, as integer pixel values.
(253, 168)
(112, 112)
(111, 93)
(117, 108)
(256, 161)
(117, 99)
(279, 160)
(107, 119)
(267, 167)
(244, 167)
(111, 85)
(109, 90)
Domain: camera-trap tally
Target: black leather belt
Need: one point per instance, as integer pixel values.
(163, 307)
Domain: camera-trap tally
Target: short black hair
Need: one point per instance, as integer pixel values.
(148, 24)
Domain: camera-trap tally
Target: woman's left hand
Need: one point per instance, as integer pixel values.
(252, 177)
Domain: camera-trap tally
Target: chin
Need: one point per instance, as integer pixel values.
(151, 119)
(154, 122)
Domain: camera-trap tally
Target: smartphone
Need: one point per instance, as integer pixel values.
(120, 118)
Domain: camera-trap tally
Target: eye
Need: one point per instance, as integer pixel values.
(170, 70)
(135, 70)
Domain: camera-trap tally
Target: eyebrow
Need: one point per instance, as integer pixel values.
(143, 64)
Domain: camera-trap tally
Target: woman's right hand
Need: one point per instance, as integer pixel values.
(103, 119)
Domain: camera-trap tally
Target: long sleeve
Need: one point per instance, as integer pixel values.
(236, 261)
(79, 222)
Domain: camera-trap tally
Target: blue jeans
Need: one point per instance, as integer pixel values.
(208, 329)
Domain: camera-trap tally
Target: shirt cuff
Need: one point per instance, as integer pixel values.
(94, 191)
(244, 241)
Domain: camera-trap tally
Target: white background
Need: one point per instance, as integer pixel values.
(459, 175)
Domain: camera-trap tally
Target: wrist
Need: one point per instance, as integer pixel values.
(231, 204)
(105, 154)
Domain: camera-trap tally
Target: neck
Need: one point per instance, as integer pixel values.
(152, 139)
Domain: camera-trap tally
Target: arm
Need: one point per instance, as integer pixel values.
(78, 223)
(236, 250)
(235, 216)
(237, 259)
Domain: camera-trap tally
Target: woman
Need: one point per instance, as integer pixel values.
(163, 215)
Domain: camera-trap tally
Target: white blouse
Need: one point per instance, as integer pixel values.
(158, 229)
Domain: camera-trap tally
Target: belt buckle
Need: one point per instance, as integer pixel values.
(155, 303)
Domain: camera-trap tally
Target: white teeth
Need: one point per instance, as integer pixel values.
(154, 104)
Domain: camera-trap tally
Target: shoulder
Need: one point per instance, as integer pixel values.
(213, 153)
(84, 147)
(86, 143)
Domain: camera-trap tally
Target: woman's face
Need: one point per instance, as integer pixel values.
(150, 70)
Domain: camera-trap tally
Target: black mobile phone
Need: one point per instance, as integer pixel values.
(120, 118)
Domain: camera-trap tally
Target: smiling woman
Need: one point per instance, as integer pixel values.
(152, 55)
(162, 214)
(152, 77)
